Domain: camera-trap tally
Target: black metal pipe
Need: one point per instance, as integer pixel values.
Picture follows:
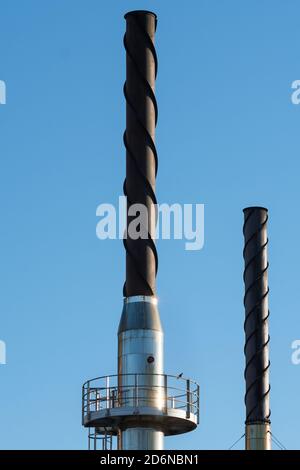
(141, 156)
(256, 316)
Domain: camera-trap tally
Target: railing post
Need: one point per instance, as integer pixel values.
(188, 399)
(113, 397)
(119, 392)
(166, 393)
(198, 404)
(107, 391)
(96, 400)
(82, 405)
(88, 398)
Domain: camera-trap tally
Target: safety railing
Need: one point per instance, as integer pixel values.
(159, 391)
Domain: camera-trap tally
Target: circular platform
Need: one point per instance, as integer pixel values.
(167, 402)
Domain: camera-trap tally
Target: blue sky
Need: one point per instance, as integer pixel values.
(227, 137)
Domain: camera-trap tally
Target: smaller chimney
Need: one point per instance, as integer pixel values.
(258, 434)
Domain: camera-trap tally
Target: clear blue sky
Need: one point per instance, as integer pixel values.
(227, 136)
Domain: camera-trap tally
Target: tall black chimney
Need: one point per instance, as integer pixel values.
(258, 436)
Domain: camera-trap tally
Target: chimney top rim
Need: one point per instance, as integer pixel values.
(255, 208)
(138, 12)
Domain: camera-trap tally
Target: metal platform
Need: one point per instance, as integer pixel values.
(171, 403)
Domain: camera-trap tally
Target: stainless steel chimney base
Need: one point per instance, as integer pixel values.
(140, 404)
(142, 439)
(258, 436)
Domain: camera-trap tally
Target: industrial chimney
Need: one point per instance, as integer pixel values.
(140, 404)
(258, 434)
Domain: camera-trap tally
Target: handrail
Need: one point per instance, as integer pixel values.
(145, 374)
